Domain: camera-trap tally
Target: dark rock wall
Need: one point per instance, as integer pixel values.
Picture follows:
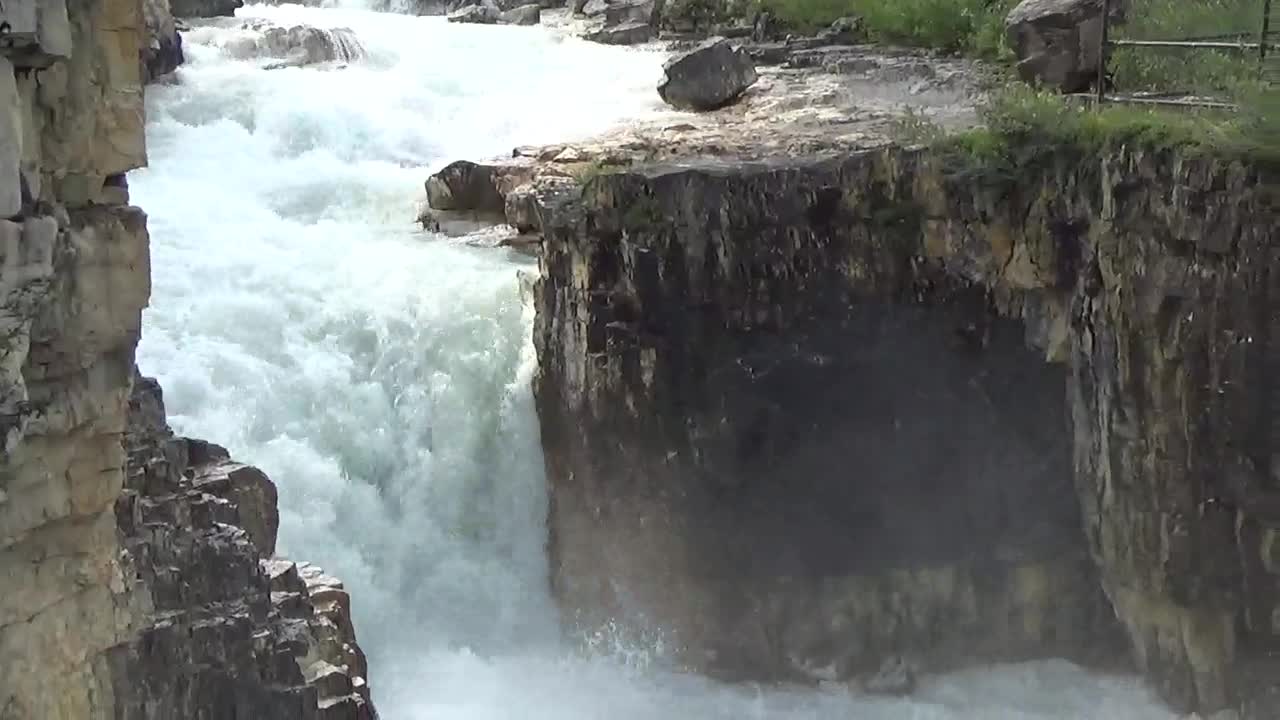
(812, 413)
(233, 633)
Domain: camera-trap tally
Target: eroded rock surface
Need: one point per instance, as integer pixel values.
(163, 53)
(235, 629)
(278, 46)
(736, 409)
(133, 583)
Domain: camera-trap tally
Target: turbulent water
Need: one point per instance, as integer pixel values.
(381, 375)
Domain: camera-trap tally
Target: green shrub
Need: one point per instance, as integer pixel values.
(968, 26)
(1021, 126)
(1212, 72)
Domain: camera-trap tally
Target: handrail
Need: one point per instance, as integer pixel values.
(1105, 42)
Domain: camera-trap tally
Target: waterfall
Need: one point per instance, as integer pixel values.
(381, 375)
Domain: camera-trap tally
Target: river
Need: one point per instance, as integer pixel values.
(381, 375)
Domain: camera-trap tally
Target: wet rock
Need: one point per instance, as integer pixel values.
(530, 14)
(710, 76)
(628, 34)
(624, 22)
(233, 627)
(1038, 299)
(525, 206)
(295, 46)
(484, 14)
(204, 8)
(163, 53)
(1056, 41)
(624, 12)
(465, 185)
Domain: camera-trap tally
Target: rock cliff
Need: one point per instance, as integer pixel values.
(803, 415)
(138, 577)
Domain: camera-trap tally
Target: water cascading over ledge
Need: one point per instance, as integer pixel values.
(801, 416)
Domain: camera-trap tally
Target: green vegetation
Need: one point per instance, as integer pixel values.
(1021, 117)
(1022, 126)
(1021, 123)
(963, 26)
(1210, 72)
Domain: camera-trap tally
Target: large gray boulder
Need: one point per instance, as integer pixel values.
(1056, 41)
(710, 76)
(484, 14)
(530, 14)
(628, 34)
(295, 46)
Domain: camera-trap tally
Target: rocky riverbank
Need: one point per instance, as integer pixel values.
(138, 568)
(812, 400)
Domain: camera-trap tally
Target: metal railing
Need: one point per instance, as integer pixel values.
(1216, 43)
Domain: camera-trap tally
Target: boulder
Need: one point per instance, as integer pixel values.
(624, 12)
(204, 8)
(295, 46)
(464, 185)
(710, 76)
(163, 52)
(482, 14)
(530, 14)
(629, 34)
(305, 45)
(1056, 41)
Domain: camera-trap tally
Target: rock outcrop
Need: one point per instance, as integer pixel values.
(489, 12)
(708, 77)
(163, 53)
(1057, 41)
(485, 13)
(205, 8)
(633, 33)
(621, 22)
(292, 46)
(805, 414)
(133, 581)
(528, 14)
(234, 629)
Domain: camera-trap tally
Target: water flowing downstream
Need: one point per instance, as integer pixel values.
(381, 375)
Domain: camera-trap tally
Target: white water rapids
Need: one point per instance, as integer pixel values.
(381, 375)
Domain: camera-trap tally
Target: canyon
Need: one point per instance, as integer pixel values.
(786, 399)
(139, 570)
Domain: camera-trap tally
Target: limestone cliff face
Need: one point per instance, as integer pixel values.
(808, 414)
(136, 584)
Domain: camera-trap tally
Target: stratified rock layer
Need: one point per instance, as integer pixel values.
(235, 629)
(804, 415)
(136, 585)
